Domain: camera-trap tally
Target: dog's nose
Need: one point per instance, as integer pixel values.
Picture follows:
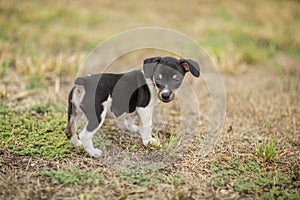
(166, 94)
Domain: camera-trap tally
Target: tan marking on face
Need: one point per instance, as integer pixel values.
(160, 76)
(174, 76)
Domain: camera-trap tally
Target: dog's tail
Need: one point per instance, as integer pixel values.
(71, 127)
(74, 112)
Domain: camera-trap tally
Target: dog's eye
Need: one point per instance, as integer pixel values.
(176, 78)
(158, 78)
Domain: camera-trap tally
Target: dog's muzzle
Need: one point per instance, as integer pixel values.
(166, 95)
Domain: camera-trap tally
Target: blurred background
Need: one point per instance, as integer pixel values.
(42, 43)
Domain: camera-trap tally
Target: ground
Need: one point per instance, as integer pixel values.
(257, 47)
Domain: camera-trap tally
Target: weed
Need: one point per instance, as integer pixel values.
(277, 193)
(133, 147)
(252, 167)
(40, 108)
(174, 142)
(25, 133)
(267, 151)
(73, 175)
(249, 177)
(138, 178)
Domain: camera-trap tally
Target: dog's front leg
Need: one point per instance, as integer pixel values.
(145, 129)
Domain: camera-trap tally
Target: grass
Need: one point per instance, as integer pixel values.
(174, 141)
(35, 82)
(251, 177)
(37, 131)
(34, 132)
(73, 175)
(266, 152)
(237, 39)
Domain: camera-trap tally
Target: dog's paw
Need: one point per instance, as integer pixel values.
(75, 142)
(94, 152)
(153, 144)
(149, 141)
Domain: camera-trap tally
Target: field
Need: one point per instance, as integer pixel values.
(256, 45)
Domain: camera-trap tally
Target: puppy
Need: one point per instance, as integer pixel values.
(94, 96)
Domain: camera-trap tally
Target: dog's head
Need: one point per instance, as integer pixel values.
(167, 74)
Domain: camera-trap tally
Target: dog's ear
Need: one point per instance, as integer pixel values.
(190, 66)
(149, 65)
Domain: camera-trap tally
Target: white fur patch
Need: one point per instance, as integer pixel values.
(145, 115)
(78, 95)
(153, 98)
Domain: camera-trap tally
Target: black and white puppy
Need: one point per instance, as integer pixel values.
(120, 95)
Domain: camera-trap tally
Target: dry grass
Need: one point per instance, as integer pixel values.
(256, 43)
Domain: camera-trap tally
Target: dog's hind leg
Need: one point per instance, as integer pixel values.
(75, 119)
(86, 137)
(95, 119)
(74, 114)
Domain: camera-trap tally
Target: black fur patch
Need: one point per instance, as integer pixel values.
(127, 91)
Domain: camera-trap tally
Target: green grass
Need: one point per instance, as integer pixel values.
(73, 175)
(248, 47)
(278, 193)
(174, 142)
(266, 152)
(37, 131)
(251, 176)
(240, 39)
